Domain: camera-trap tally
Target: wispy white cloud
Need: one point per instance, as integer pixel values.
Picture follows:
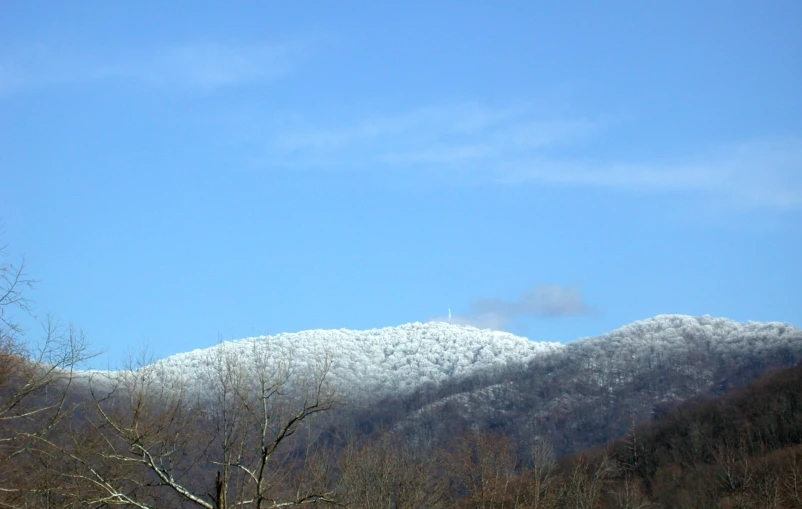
(539, 301)
(199, 65)
(519, 145)
(214, 65)
(463, 135)
(752, 174)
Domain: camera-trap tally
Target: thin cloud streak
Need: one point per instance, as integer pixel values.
(516, 146)
(516, 126)
(753, 174)
(464, 135)
(199, 65)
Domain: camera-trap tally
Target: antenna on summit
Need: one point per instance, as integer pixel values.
(449, 315)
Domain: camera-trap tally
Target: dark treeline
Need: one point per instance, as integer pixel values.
(740, 450)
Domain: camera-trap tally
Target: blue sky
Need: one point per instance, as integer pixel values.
(174, 175)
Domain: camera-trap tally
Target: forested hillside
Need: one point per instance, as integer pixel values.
(595, 389)
(741, 450)
(247, 425)
(364, 365)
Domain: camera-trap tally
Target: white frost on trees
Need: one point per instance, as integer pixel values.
(375, 362)
(395, 360)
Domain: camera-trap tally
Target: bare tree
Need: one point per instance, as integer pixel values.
(14, 283)
(35, 378)
(482, 465)
(219, 439)
(386, 474)
(736, 467)
(257, 407)
(540, 486)
(630, 494)
(586, 483)
(792, 482)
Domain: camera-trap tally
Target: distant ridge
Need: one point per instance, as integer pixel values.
(594, 389)
(376, 362)
(393, 361)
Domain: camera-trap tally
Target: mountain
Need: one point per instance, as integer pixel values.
(431, 412)
(741, 450)
(371, 363)
(431, 380)
(394, 361)
(595, 389)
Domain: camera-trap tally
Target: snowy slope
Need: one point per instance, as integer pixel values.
(395, 360)
(591, 390)
(666, 334)
(692, 348)
(374, 362)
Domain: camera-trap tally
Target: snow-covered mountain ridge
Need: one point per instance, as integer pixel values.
(720, 334)
(589, 391)
(374, 362)
(685, 343)
(396, 360)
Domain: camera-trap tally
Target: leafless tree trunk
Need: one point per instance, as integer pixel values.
(792, 482)
(385, 474)
(736, 469)
(539, 485)
(151, 439)
(483, 466)
(587, 481)
(629, 494)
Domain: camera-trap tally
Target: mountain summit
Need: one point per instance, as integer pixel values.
(393, 361)
(376, 362)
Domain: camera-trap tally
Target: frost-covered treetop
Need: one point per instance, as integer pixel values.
(719, 336)
(394, 360)
(376, 361)
(599, 385)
